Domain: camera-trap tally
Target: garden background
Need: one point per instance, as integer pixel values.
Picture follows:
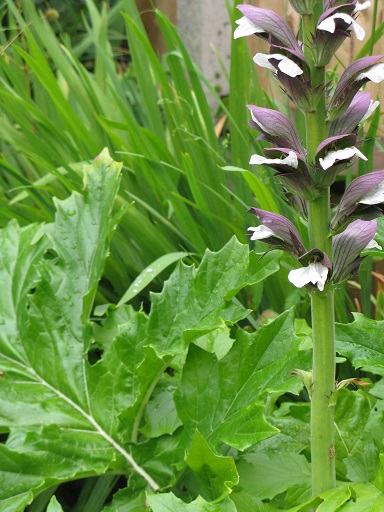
(143, 345)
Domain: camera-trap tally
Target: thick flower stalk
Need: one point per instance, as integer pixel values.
(306, 170)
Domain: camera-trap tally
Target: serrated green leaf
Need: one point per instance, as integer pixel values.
(265, 475)
(196, 302)
(257, 363)
(160, 414)
(17, 503)
(170, 503)
(127, 501)
(217, 474)
(217, 342)
(62, 423)
(359, 433)
(292, 421)
(54, 505)
(367, 499)
(18, 256)
(359, 342)
(162, 457)
(334, 499)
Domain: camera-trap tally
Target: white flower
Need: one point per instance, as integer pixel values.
(372, 107)
(373, 245)
(290, 160)
(375, 73)
(286, 65)
(340, 154)
(360, 7)
(261, 232)
(246, 28)
(374, 196)
(329, 24)
(315, 273)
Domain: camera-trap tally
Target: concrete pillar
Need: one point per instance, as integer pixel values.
(202, 24)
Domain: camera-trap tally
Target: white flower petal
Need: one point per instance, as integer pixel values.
(359, 31)
(375, 73)
(262, 60)
(290, 160)
(375, 196)
(373, 245)
(286, 65)
(261, 232)
(329, 24)
(315, 273)
(246, 28)
(290, 68)
(340, 154)
(360, 7)
(372, 107)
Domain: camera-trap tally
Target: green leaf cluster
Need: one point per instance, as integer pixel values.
(84, 396)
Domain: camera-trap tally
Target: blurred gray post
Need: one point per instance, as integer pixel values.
(203, 24)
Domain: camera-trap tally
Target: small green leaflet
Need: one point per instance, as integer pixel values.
(149, 273)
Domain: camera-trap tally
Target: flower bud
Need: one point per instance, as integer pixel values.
(52, 15)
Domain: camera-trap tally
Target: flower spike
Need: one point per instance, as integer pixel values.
(358, 111)
(275, 127)
(277, 230)
(367, 190)
(283, 63)
(354, 77)
(334, 25)
(292, 71)
(330, 24)
(347, 248)
(269, 26)
(316, 273)
(332, 156)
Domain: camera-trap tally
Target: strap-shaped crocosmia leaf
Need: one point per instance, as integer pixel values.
(275, 127)
(269, 26)
(355, 76)
(347, 247)
(367, 189)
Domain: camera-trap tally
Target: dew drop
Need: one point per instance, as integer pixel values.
(149, 269)
(71, 213)
(2, 321)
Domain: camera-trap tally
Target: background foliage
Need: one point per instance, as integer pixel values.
(187, 383)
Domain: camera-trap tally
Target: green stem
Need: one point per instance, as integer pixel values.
(323, 322)
(322, 415)
(322, 303)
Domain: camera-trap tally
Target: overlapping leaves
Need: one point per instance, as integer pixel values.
(70, 411)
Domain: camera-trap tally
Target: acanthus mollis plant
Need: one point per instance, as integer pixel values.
(307, 170)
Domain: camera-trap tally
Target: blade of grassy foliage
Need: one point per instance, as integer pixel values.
(94, 493)
(155, 115)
